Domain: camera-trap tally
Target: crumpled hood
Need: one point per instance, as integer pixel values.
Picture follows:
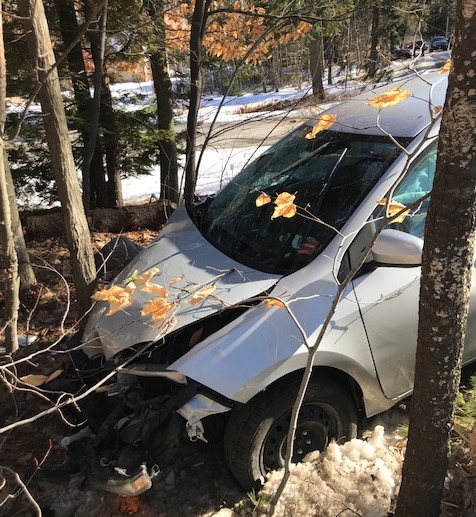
(187, 263)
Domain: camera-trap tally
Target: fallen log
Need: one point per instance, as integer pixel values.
(126, 218)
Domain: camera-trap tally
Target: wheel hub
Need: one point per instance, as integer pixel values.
(313, 432)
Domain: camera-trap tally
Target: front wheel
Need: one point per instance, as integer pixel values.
(256, 433)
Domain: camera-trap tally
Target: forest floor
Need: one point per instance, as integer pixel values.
(199, 483)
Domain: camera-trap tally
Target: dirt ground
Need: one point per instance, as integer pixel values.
(199, 483)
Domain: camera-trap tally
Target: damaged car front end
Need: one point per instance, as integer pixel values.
(207, 331)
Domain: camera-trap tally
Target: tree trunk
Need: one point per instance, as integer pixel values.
(62, 162)
(329, 58)
(199, 20)
(165, 121)
(316, 63)
(27, 275)
(372, 65)
(276, 70)
(69, 29)
(12, 281)
(107, 120)
(91, 143)
(445, 286)
(127, 218)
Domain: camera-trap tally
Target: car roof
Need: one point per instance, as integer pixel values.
(405, 119)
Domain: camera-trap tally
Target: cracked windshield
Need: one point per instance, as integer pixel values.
(330, 174)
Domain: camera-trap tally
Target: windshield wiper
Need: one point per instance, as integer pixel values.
(301, 161)
(330, 179)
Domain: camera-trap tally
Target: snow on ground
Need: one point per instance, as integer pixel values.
(360, 477)
(217, 167)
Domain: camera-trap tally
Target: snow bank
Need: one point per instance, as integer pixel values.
(360, 476)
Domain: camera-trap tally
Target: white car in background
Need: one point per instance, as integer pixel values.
(228, 361)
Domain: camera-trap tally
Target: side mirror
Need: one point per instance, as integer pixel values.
(396, 248)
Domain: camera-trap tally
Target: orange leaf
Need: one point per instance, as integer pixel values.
(437, 109)
(201, 294)
(140, 280)
(157, 308)
(262, 199)
(446, 67)
(175, 280)
(155, 289)
(272, 302)
(119, 298)
(324, 122)
(393, 209)
(389, 98)
(38, 379)
(285, 206)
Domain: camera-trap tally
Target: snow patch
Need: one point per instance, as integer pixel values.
(361, 476)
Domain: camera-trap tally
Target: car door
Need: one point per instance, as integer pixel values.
(388, 296)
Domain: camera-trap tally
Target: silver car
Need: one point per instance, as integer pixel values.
(217, 356)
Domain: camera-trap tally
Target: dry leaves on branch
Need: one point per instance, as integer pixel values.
(285, 206)
(201, 294)
(324, 122)
(155, 289)
(158, 309)
(262, 199)
(395, 208)
(141, 280)
(119, 298)
(389, 98)
(38, 379)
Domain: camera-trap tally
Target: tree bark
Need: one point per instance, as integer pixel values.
(199, 20)
(90, 145)
(69, 29)
(126, 218)
(316, 63)
(374, 37)
(12, 281)
(329, 58)
(106, 120)
(448, 256)
(62, 162)
(165, 121)
(27, 275)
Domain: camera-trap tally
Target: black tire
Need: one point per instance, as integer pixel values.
(255, 437)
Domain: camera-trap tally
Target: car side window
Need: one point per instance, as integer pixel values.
(417, 184)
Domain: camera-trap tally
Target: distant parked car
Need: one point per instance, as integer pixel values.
(400, 53)
(417, 48)
(438, 43)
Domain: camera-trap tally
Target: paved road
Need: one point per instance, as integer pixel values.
(251, 132)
